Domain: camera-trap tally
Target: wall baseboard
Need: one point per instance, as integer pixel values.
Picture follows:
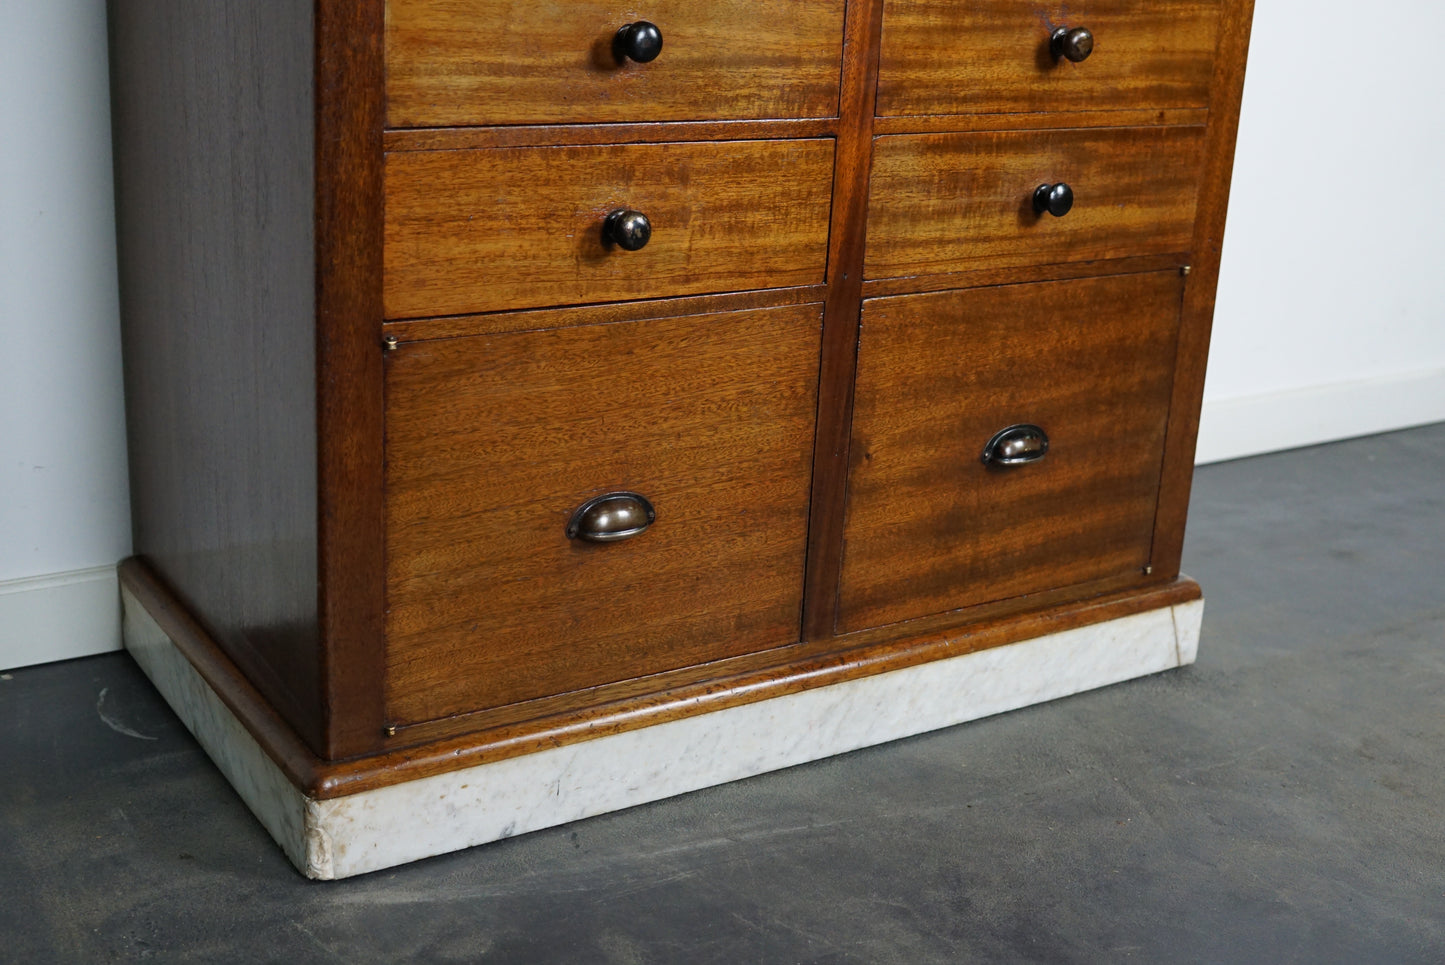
(58, 617)
(1255, 424)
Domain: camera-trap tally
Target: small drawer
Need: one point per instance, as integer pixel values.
(466, 62)
(942, 203)
(1000, 56)
(930, 526)
(495, 442)
(488, 230)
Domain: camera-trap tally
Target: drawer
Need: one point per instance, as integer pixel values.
(476, 231)
(994, 56)
(462, 62)
(930, 527)
(494, 441)
(941, 203)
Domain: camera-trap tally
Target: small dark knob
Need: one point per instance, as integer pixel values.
(1016, 445)
(1056, 199)
(640, 41)
(627, 229)
(611, 517)
(1071, 43)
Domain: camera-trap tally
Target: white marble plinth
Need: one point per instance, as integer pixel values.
(380, 828)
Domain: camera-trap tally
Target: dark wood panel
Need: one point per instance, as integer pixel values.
(478, 62)
(472, 231)
(349, 75)
(494, 441)
(840, 325)
(958, 202)
(946, 57)
(929, 526)
(213, 125)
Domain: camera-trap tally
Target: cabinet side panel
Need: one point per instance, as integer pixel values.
(213, 117)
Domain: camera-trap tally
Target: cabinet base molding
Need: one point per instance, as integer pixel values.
(350, 834)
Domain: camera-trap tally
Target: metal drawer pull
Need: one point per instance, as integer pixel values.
(1056, 199)
(611, 517)
(627, 229)
(1073, 45)
(1016, 445)
(640, 42)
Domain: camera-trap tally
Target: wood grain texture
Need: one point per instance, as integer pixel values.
(840, 325)
(349, 405)
(929, 527)
(946, 57)
(483, 62)
(959, 202)
(1198, 312)
(493, 441)
(473, 231)
(212, 115)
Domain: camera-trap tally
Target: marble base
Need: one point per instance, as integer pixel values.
(388, 826)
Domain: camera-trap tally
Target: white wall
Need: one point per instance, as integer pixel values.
(1330, 321)
(63, 498)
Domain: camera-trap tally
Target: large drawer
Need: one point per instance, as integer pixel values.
(942, 203)
(462, 62)
(493, 442)
(987, 56)
(486, 230)
(930, 527)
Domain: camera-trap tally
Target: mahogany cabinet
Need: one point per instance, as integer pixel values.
(537, 408)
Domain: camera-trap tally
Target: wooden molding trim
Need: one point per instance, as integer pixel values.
(793, 673)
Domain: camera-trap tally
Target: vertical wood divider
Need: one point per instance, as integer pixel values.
(1196, 319)
(846, 240)
(350, 104)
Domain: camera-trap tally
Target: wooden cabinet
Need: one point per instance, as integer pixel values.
(877, 327)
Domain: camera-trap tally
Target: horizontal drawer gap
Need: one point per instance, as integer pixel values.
(562, 135)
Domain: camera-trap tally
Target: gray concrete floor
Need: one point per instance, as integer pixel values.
(1281, 801)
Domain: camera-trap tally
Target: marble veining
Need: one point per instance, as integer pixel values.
(377, 829)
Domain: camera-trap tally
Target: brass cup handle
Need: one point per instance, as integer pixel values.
(611, 517)
(1016, 445)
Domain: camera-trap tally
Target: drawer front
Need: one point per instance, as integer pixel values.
(942, 203)
(929, 526)
(463, 62)
(995, 56)
(476, 231)
(494, 441)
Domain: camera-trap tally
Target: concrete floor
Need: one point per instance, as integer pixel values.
(1281, 801)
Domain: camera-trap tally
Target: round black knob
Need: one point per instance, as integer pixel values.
(640, 41)
(627, 229)
(1071, 43)
(1056, 199)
